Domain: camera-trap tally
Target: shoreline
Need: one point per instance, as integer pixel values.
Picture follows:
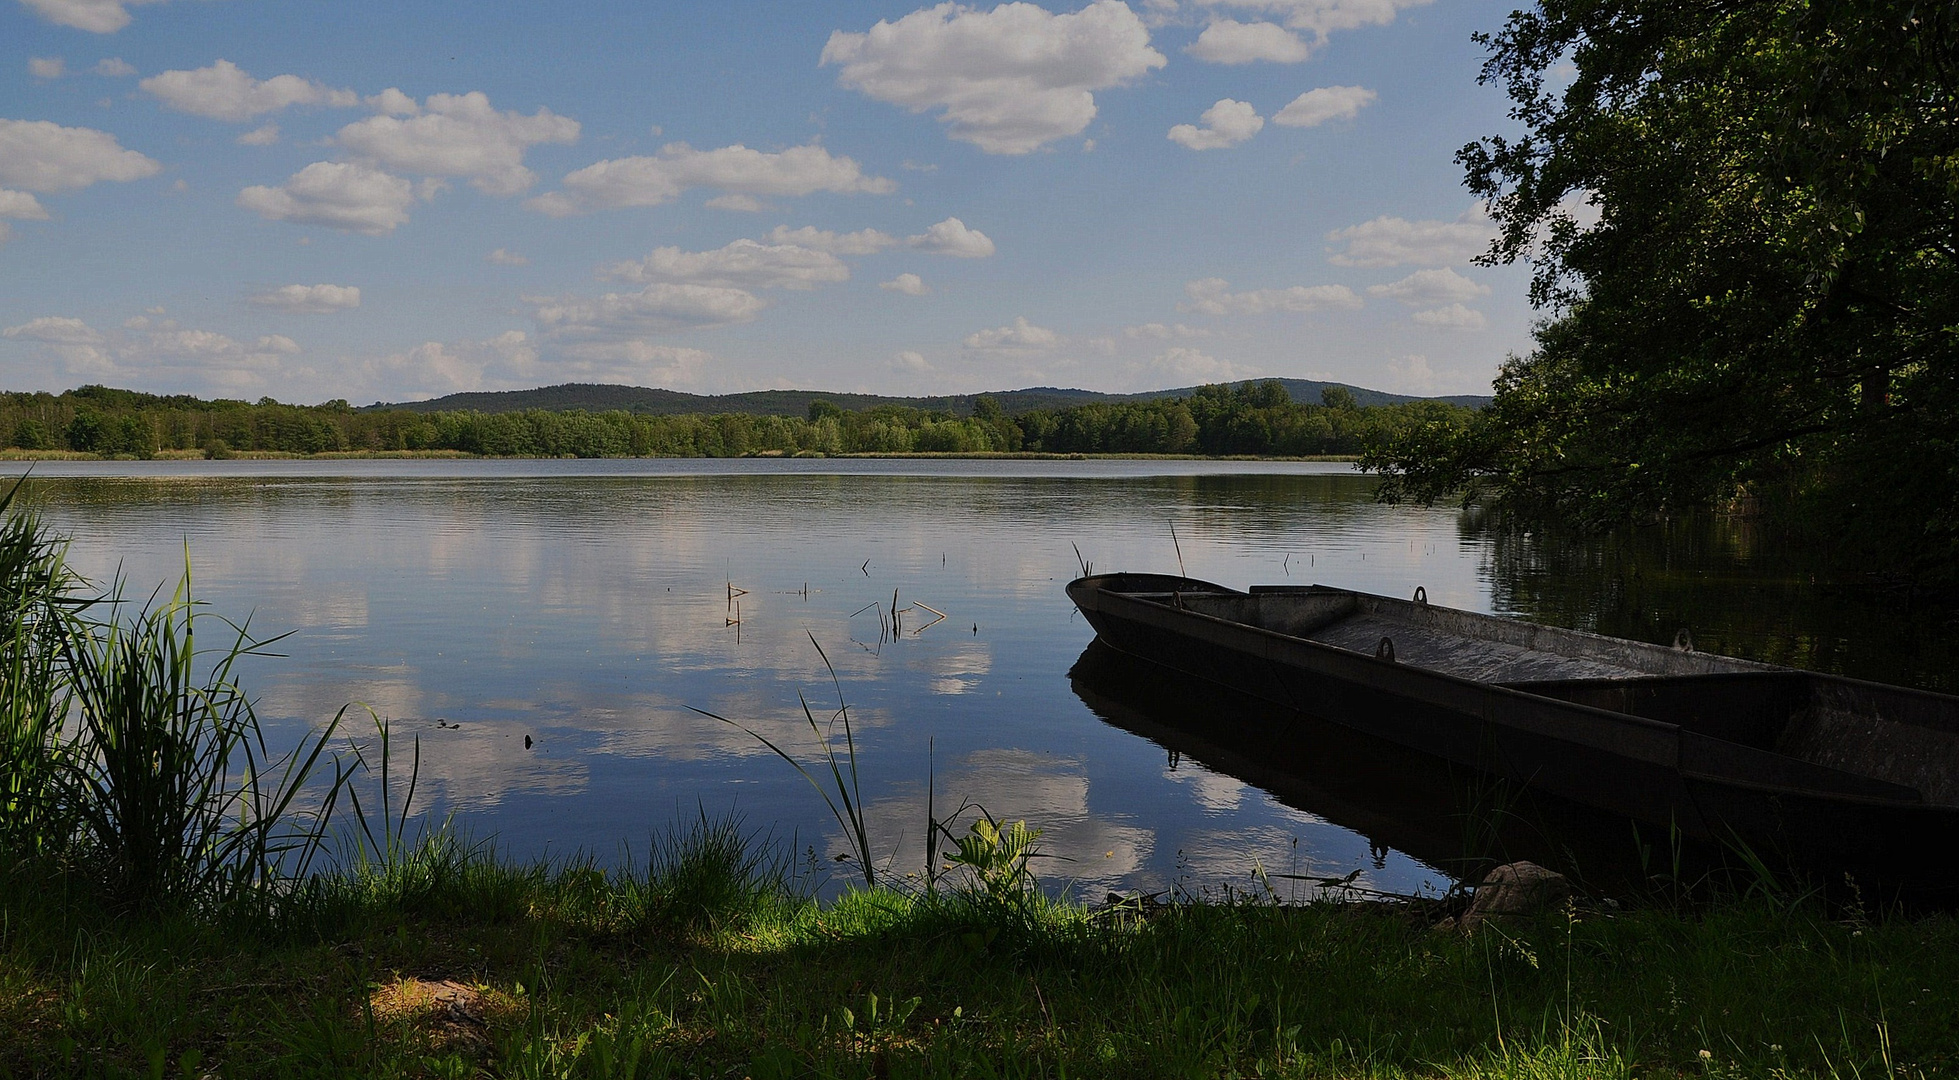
(458, 455)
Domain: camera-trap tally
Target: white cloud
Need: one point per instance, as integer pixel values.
(392, 102)
(952, 237)
(1008, 80)
(260, 136)
(504, 257)
(911, 360)
(339, 195)
(310, 299)
(114, 67)
(460, 135)
(909, 284)
(1021, 335)
(47, 67)
(660, 307)
(1322, 17)
(434, 368)
(1226, 123)
(861, 242)
(1228, 41)
(55, 330)
(21, 206)
(1182, 362)
(1163, 333)
(1211, 296)
(1316, 107)
(1425, 288)
(41, 156)
(639, 363)
(741, 204)
(744, 264)
(650, 181)
(1412, 375)
(224, 91)
(1393, 241)
(1453, 317)
(95, 16)
(165, 354)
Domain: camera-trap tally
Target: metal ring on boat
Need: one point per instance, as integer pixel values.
(1421, 595)
(1385, 650)
(1683, 641)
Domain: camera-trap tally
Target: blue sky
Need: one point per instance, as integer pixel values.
(383, 201)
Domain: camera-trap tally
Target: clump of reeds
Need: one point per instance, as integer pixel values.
(130, 758)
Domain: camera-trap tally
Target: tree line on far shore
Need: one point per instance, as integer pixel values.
(1248, 419)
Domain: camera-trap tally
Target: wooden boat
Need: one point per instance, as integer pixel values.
(1829, 772)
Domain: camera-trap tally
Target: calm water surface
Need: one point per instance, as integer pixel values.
(587, 605)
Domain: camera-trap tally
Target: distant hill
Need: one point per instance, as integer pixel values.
(650, 401)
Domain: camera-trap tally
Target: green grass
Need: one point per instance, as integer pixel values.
(710, 961)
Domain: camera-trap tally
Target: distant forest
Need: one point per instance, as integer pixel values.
(1256, 418)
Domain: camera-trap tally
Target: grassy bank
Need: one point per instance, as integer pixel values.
(710, 964)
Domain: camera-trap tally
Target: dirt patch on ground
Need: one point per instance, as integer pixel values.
(448, 1012)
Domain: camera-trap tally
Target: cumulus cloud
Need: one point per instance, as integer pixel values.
(309, 299)
(1425, 288)
(156, 354)
(1007, 80)
(1322, 17)
(741, 204)
(1020, 336)
(38, 155)
(114, 67)
(1212, 296)
(95, 16)
(55, 330)
(392, 102)
(1393, 241)
(1183, 362)
(744, 264)
(260, 136)
(224, 91)
(650, 181)
(1227, 123)
(952, 237)
(861, 242)
(911, 360)
(339, 195)
(1228, 41)
(909, 284)
(658, 308)
(47, 67)
(504, 257)
(459, 135)
(1412, 375)
(514, 359)
(1164, 333)
(1316, 107)
(1453, 317)
(21, 206)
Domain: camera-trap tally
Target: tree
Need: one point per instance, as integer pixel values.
(1766, 303)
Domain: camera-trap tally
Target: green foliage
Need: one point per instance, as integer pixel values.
(1251, 419)
(997, 858)
(1764, 305)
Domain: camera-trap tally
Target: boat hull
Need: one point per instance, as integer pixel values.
(1657, 773)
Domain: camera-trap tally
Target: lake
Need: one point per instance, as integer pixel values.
(591, 606)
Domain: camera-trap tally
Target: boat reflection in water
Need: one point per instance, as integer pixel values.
(1457, 820)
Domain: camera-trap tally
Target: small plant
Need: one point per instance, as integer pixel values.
(997, 857)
